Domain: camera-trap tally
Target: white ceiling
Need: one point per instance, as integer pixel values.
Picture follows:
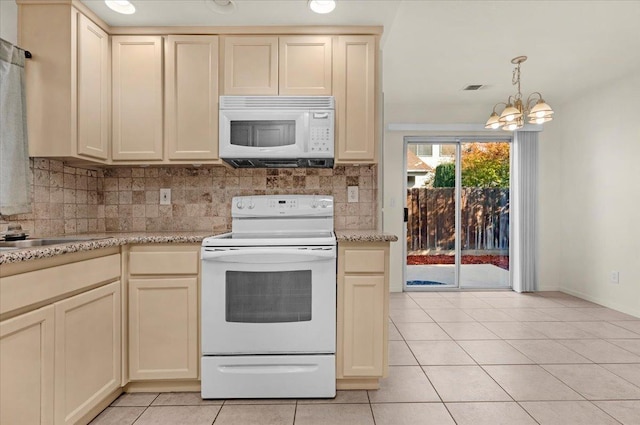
(432, 49)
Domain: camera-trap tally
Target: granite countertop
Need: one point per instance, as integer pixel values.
(364, 236)
(106, 240)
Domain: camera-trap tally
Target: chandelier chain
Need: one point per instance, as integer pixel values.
(515, 80)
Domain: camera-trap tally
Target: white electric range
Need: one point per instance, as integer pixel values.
(269, 300)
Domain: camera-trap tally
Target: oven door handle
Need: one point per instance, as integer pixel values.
(275, 255)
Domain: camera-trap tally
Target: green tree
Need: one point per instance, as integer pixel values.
(445, 175)
(485, 165)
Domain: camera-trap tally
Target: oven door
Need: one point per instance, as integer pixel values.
(264, 134)
(268, 300)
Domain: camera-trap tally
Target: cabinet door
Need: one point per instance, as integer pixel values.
(163, 328)
(364, 320)
(87, 351)
(137, 97)
(354, 90)
(250, 66)
(191, 91)
(26, 368)
(93, 89)
(305, 65)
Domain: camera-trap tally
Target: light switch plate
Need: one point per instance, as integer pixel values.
(165, 196)
(352, 193)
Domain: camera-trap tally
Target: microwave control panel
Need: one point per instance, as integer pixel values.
(321, 132)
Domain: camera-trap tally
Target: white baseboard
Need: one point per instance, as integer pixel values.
(606, 303)
(548, 288)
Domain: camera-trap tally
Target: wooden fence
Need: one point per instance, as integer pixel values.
(484, 219)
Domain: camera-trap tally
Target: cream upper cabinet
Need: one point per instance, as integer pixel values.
(354, 87)
(26, 368)
(163, 312)
(305, 65)
(250, 65)
(87, 351)
(137, 113)
(93, 89)
(67, 82)
(363, 288)
(285, 65)
(191, 96)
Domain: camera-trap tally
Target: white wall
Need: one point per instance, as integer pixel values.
(9, 21)
(589, 192)
(590, 197)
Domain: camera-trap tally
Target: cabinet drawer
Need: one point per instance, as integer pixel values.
(22, 290)
(178, 261)
(364, 261)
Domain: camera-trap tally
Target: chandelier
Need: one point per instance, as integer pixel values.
(512, 117)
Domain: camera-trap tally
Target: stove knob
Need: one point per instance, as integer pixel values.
(323, 204)
(240, 205)
(314, 204)
(251, 205)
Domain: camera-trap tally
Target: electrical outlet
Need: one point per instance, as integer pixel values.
(165, 196)
(352, 193)
(615, 277)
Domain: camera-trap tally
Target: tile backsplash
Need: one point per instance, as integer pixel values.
(65, 200)
(69, 200)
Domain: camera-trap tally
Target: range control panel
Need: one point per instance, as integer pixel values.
(279, 205)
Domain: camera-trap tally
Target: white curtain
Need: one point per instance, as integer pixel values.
(15, 176)
(524, 214)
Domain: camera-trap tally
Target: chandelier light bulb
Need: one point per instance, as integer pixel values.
(493, 122)
(513, 126)
(540, 119)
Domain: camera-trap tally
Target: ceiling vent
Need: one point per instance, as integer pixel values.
(473, 87)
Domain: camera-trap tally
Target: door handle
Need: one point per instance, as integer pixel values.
(406, 215)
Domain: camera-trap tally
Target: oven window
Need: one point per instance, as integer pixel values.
(263, 134)
(268, 297)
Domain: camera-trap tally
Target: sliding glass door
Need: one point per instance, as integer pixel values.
(457, 216)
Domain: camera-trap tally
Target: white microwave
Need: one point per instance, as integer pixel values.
(277, 131)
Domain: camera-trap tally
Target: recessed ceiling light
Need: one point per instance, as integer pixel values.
(322, 6)
(121, 6)
(223, 7)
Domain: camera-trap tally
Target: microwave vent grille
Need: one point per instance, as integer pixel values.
(277, 102)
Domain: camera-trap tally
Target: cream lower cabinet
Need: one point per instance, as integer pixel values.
(363, 299)
(163, 328)
(26, 368)
(163, 313)
(87, 351)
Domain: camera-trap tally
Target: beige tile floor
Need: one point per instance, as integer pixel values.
(457, 358)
